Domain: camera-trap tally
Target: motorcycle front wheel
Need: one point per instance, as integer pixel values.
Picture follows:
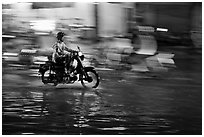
(92, 81)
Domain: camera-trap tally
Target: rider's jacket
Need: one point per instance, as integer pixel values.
(60, 48)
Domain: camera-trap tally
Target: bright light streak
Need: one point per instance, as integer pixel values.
(43, 25)
(11, 58)
(38, 62)
(146, 28)
(28, 51)
(165, 55)
(162, 29)
(10, 54)
(166, 61)
(40, 58)
(8, 36)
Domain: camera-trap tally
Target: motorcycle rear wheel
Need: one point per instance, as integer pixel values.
(93, 82)
(46, 79)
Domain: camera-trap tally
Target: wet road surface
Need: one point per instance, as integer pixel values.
(125, 103)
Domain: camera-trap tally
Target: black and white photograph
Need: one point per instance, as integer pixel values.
(101, 68)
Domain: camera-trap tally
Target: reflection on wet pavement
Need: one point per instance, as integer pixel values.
(65, 110)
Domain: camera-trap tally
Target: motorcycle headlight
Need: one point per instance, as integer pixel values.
(80, 53)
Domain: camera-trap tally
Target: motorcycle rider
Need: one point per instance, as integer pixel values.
(61, 51)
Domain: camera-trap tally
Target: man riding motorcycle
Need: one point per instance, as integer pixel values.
(54, 71)
(62, 52)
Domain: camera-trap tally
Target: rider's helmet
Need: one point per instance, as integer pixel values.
(60, 35)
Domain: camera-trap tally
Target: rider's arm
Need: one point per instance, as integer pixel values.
(54, 46)
(68, 49)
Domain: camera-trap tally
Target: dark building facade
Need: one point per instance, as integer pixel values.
(180, 18)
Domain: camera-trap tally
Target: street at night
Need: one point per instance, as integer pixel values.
(101, 68)
(126, 102)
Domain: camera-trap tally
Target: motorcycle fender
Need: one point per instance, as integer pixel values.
(86, 69)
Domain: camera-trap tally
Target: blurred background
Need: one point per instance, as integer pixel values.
(33, 25)
(148, 55)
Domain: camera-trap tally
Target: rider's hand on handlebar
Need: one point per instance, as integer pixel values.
(74, 52)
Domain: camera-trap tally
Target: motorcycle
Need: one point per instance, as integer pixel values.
(55, 73)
